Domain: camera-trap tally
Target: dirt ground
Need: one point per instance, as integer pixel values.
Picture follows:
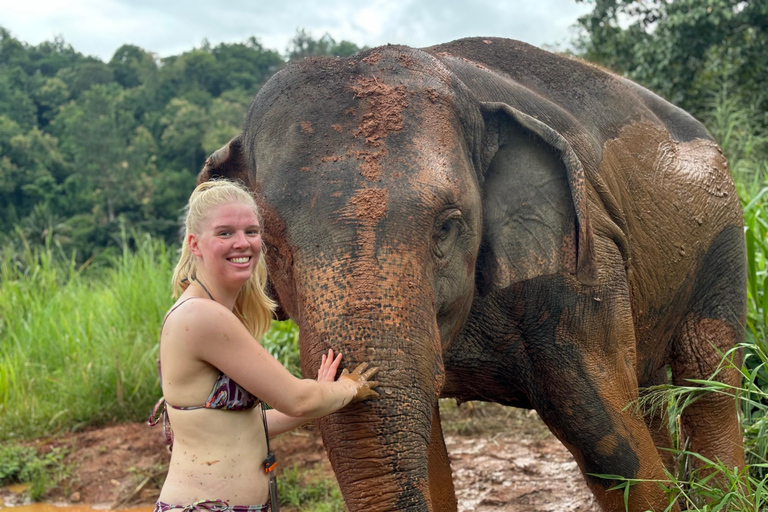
(502, 460)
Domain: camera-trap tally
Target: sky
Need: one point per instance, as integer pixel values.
(171, 27)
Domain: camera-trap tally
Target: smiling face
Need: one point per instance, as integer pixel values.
(228, 245)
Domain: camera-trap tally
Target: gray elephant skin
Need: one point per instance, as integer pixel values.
(484, 220)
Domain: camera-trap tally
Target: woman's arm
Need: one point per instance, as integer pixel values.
(211, 333)
(279, 423)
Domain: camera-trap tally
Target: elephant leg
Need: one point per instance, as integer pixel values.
(714, 324)
(711, 423)
(441, 491)
(580, 344)
(591, 418)
(657, 421)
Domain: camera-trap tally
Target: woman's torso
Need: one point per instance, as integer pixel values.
(217, 453)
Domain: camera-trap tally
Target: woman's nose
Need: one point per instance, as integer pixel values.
(240, 240)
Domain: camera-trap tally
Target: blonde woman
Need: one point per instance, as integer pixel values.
(215, 374)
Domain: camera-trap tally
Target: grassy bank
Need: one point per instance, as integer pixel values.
(79, 343)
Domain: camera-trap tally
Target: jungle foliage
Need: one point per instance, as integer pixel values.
(88, 148)
(86, 145)
(683, 49)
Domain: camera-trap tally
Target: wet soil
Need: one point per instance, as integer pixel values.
(502, 460)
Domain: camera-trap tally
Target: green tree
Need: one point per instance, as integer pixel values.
(184, 125)
(49, 57)
(304, 45)
(226, 115)
(52, 94)
(246, 66)
(131, 66)
(31, 169)
(96, 132)
(685, 50)
(15, 101)
(13, 52)
(82, 76)
(199, 67)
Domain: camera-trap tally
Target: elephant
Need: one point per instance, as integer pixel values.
(484, 220)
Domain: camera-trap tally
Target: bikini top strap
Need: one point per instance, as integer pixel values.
(174, 308)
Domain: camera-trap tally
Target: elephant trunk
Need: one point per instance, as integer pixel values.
(378, 448)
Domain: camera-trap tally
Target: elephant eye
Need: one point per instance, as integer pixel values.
(447, 229)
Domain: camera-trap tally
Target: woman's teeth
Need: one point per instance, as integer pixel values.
(244, 259)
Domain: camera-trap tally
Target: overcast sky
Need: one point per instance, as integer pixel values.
(171, 27)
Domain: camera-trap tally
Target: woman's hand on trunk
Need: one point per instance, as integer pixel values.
(329, 365)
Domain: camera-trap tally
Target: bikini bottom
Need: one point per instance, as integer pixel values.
(211, 506)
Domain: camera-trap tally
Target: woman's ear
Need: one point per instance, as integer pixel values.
(194, 247)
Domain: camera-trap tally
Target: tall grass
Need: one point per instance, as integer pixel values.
(78, 344)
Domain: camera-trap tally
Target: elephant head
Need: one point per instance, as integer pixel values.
(392, 197)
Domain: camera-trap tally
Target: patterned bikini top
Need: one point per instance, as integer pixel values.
(226, 395)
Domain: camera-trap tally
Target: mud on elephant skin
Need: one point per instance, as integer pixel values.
(484, 220)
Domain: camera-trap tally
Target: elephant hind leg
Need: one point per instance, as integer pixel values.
(710, 424)
(713, 325)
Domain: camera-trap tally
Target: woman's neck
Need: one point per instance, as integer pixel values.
(216, 292)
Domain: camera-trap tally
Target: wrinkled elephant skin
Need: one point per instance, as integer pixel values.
(484, 220)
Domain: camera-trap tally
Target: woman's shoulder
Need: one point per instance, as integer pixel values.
(198, 312)
(198, 326)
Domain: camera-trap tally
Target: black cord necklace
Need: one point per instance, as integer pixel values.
(204, 288)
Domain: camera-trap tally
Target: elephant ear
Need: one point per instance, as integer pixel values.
(535, 214)
(226, 162)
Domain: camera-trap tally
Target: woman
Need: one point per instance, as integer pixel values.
(213, 369)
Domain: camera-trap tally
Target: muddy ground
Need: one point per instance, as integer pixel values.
(502, 459)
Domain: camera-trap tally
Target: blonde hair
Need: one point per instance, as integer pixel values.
(253, 306)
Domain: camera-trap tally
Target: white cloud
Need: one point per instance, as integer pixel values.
(170, 27)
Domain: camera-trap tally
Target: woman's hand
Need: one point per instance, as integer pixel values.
(328, 367)
(360, 377)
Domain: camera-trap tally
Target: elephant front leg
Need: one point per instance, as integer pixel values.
(441, 491)
(580, 352)
(609, 441)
